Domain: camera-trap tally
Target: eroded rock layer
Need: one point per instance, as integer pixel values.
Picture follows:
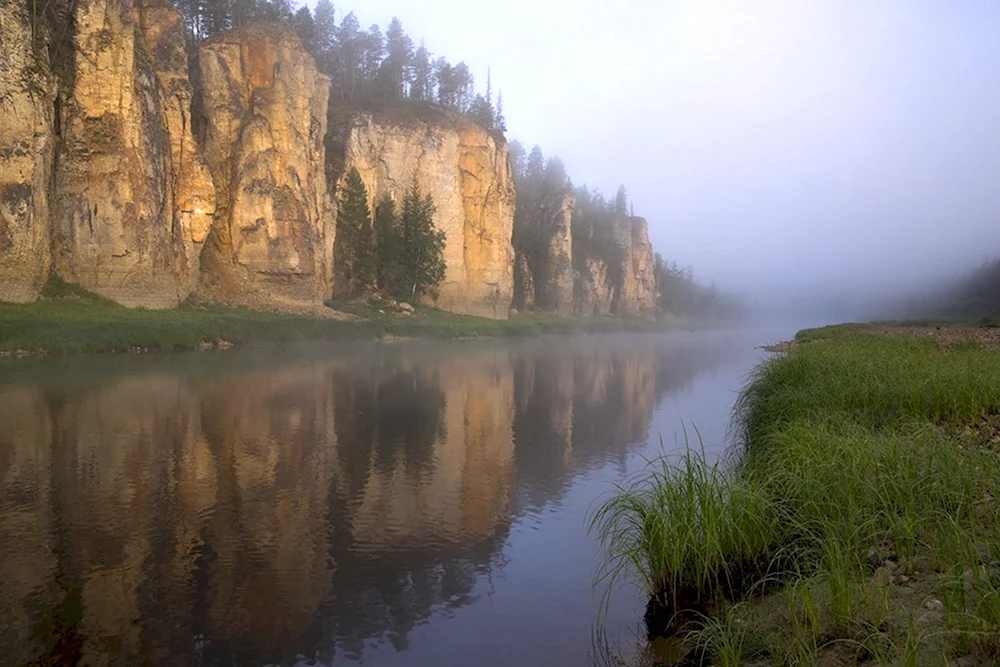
(467, 173)
(131, 209)
(637, 292)
(265, 105)
(594, 293)
(26, 149)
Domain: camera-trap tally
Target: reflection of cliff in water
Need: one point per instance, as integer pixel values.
(219, 508)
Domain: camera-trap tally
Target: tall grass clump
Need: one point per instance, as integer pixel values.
(867, 465)
(687, 531)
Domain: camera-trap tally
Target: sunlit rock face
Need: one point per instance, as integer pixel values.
(191, 187)
(265, 107)
(27, 92)
(132, 201)
(636, 295)
(466, 171)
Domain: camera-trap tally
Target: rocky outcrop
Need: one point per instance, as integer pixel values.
(593, 291)
(467, 173)
(636, 293)
(26, 150)
(265, 106)
(192, 188)
(545, 248)
(132, 203)
(524, 282)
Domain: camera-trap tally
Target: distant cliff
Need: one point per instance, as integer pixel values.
(147, 174)
(575, 252)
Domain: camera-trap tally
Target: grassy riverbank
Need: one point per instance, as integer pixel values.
(69, 319)
(860, 521)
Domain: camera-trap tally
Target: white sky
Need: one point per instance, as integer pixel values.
(812, 145)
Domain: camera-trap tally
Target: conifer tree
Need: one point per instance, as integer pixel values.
(422, 87)
(349, 52)
(499, 122)
(354, 260)
(447, 89)
(423, 245)
(389, 247)
(621, 201)
(398, 60)
(325, 30)
(305, 27)
(373, 51)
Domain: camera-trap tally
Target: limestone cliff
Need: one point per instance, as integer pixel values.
(132, 204)
(265, 106)
(544, 243)
(467, 173)
(192, 188)
(26, 150)
(125, 176)
(636, 293)
(593, 293)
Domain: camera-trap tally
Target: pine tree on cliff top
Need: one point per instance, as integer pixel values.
(423, 245)
(355, 257)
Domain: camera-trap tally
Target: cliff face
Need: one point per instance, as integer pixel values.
(192, 188)
(636, 294)
(265, 106)
(467, 173)
(26, 149)
(609, 269)
(123, 177)
(131, 210)
(547, 255)
(593, 293)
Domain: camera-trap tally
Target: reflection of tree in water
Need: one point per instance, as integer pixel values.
(385, 412)
(248, 515)
(389, 421)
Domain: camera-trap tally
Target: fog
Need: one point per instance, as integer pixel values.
(798, 151)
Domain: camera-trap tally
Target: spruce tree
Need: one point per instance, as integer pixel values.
(305, 27)
(389, 248)
(354, 260)
(621, 201)
(423, 245)
(499, 122)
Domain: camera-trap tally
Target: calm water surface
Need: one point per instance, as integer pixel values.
(408, 504)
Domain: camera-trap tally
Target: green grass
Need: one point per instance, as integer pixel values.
(866, 493)
(69, 319)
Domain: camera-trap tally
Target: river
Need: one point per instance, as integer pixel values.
(377, 504)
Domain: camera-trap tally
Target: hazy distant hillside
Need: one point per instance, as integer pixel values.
(975, 295)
